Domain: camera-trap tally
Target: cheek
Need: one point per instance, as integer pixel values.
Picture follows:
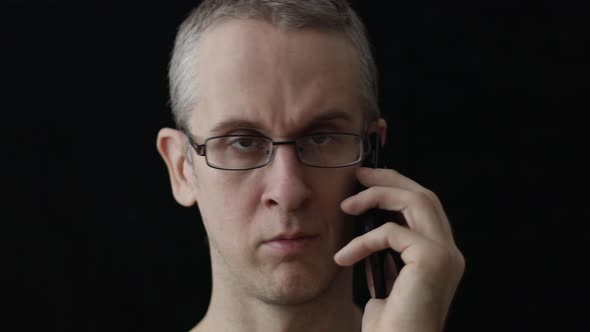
(226, 205)
(332, 188)
(220, 191)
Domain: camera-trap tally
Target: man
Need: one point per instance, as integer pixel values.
(274, 101)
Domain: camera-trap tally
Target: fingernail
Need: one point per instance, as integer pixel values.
(346, 200)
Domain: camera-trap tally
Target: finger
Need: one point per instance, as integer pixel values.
(417, 252)
(389, 235)
(372, 314)
(370, 177)
(416, 208)
(386, 198)
(387, 177)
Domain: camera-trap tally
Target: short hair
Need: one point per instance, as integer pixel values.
(335, 15)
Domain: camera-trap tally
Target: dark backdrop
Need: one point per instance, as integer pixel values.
(480, 97)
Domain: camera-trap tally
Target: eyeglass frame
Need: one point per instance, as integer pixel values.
(200, 149)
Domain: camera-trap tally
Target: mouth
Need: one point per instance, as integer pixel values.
(291, 244)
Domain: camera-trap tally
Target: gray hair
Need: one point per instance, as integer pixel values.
(336, 15)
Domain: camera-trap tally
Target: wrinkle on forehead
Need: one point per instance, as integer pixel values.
(280, 79)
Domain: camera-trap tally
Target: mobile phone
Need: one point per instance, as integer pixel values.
(374, 218)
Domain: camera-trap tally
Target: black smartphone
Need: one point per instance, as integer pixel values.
(374, 218)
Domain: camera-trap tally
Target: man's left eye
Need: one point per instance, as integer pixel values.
(320, 139)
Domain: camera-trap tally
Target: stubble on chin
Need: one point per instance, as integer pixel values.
(296, 288)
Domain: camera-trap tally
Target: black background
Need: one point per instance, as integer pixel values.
(481, 98)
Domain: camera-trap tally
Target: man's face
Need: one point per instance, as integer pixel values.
(255, 79)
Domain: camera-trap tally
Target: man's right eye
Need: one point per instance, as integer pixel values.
(244, 143)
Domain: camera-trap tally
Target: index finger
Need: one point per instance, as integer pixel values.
(370, 177)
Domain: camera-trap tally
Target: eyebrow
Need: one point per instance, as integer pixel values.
(234, 124)
(333, 115)
(316, 121)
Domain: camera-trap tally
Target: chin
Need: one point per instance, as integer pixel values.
(295, 285)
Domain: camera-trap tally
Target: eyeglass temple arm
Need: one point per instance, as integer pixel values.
(199, 148)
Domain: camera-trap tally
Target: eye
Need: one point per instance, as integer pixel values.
(244, 143)
(320, 139)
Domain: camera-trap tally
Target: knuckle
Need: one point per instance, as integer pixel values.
(460, 258)
(378, 195)
(429, 195)
(423, 199)
(392, 173)
(454, 259)
(389, 228)
(372, 191)
(440, 257)
(420, 197)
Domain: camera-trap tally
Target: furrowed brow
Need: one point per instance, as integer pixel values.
(329, 118)
(318, 120)
(333, 115)
(231, 124)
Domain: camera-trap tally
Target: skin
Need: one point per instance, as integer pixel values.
(255, 79)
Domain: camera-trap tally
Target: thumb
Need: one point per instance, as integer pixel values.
(373, 311)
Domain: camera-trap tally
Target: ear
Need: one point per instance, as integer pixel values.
(382, 129)
(379, 126)
(171, 145)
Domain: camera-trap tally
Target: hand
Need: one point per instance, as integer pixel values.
(420, 297)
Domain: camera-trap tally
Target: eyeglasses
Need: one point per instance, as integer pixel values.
(243, 152)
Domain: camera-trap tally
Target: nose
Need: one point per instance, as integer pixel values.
(285, 186)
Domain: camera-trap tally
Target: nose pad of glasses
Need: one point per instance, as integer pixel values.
(272, 151)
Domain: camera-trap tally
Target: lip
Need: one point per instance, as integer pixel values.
(289, 244)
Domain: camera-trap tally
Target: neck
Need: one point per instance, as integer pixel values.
(333, 310)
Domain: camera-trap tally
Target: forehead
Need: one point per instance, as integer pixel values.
(278, 80)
